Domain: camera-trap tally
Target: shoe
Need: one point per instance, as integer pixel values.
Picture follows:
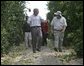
(26, 47)
(45, 44)
(42, 45)
(55, 49)
(34, 51)
(29, 46)
(38, 50)
(60, 50)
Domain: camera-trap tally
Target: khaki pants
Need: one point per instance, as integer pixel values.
(27, 39)
(58, 39)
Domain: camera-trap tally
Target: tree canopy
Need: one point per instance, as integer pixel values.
(12, 18)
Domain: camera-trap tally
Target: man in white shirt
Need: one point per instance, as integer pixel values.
(58, 26)
(35, 24)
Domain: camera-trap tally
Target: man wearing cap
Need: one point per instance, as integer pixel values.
(58, 26)
(35, 24)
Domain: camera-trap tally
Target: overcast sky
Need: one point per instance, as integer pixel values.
(41, 5)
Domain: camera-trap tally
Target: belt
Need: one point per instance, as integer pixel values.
(35, 26)
(57, 30)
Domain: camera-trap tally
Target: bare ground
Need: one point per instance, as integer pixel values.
(21, 56)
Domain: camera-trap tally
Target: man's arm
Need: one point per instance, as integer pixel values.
(29, 20)
(65, 25)
(52, 25)
(41, 19)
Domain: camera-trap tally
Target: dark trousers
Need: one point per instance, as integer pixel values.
(44, 39)
(36, 38)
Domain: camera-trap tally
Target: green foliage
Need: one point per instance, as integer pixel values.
(73, 12)
(4, 41)
(12, 19)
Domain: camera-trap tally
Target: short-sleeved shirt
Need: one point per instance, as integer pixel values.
(26, 27)
(34, 20)
(58, 23)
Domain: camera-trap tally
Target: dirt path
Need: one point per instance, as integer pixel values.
(21, 56)
(45, 57)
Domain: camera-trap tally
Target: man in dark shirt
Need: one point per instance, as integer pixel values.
(27, 32)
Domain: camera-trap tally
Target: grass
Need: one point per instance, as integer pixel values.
(50, 43)
(16, 56)
(66, 56)
(15, 51)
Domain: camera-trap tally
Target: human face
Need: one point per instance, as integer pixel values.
(58, 16)
(36, 11)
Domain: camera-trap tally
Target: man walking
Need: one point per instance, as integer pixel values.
(35, 24)
(44, 26)
(27, 32)
(58, 25)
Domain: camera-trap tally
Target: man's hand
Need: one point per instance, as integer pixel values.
(52, 31)
(62, 30)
